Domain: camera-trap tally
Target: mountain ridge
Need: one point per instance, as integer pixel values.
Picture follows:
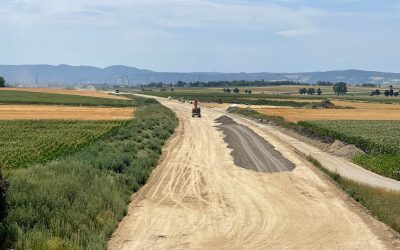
(67, 75)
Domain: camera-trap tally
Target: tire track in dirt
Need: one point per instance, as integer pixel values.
(197, 198)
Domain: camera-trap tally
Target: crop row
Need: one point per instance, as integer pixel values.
(26, 142)
(372, 136)
(228, 98)
(21, 97)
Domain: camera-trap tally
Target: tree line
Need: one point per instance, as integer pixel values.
(387, 92)
(310, 91)
(243, 83)
(236, 90)
(340, 88)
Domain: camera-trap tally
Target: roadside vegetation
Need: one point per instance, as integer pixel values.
(76, 201)
(22, 97)
(26, 142)
(384, 205)
(380, 139)
(3, 210)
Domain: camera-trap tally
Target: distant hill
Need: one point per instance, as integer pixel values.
(66, 75)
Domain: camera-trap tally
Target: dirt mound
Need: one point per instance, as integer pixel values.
(325, 104)
(225, 120)
(341, 149)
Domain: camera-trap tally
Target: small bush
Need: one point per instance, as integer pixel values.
(383, 204)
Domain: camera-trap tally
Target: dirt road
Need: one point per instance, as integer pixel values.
(197, 198)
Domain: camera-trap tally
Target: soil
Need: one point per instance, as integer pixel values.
(198, 198)
(298, 114)
(341, 149)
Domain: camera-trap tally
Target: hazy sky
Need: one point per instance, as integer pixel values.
(204, 35)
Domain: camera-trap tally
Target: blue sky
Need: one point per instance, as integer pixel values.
(204, 35)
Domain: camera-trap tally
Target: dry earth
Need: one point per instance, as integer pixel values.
(297, 114)
(91, 93)
(28, 112)
(197, 198)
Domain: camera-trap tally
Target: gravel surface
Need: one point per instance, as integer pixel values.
(250, 150)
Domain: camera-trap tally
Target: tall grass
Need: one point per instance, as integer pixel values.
(76, 203)
(383, 204)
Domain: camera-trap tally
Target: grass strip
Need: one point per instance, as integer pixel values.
(384, 205)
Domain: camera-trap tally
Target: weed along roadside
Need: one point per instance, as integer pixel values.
(383, 204)
(76, 202)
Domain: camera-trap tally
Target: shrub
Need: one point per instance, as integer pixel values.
(76, 202)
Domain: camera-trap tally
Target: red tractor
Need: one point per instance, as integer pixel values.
(196, 110)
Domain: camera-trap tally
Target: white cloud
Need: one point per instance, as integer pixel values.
(299, 32)
(161, 13)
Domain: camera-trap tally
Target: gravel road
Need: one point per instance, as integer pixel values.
(250, 150)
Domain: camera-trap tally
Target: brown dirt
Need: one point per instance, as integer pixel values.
(297, 114)
(90, 93)
(28, 112)
(368, 105)
(341, 149)
(197, 198)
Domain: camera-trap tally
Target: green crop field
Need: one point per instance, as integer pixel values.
(379, 138)
(227, 98)
(25, 142)
(71, 181)
(22, 97)
(272, 93)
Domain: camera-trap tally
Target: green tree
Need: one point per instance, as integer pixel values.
(228, 91)
(340, 88)
(249, 92)
(319, 91)
(172, 89)
(311, 91)
(303, 91)
(377, 92)
(391, 92)
(246, 91)
(2, 82)
(386, 93)
(236, 90)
